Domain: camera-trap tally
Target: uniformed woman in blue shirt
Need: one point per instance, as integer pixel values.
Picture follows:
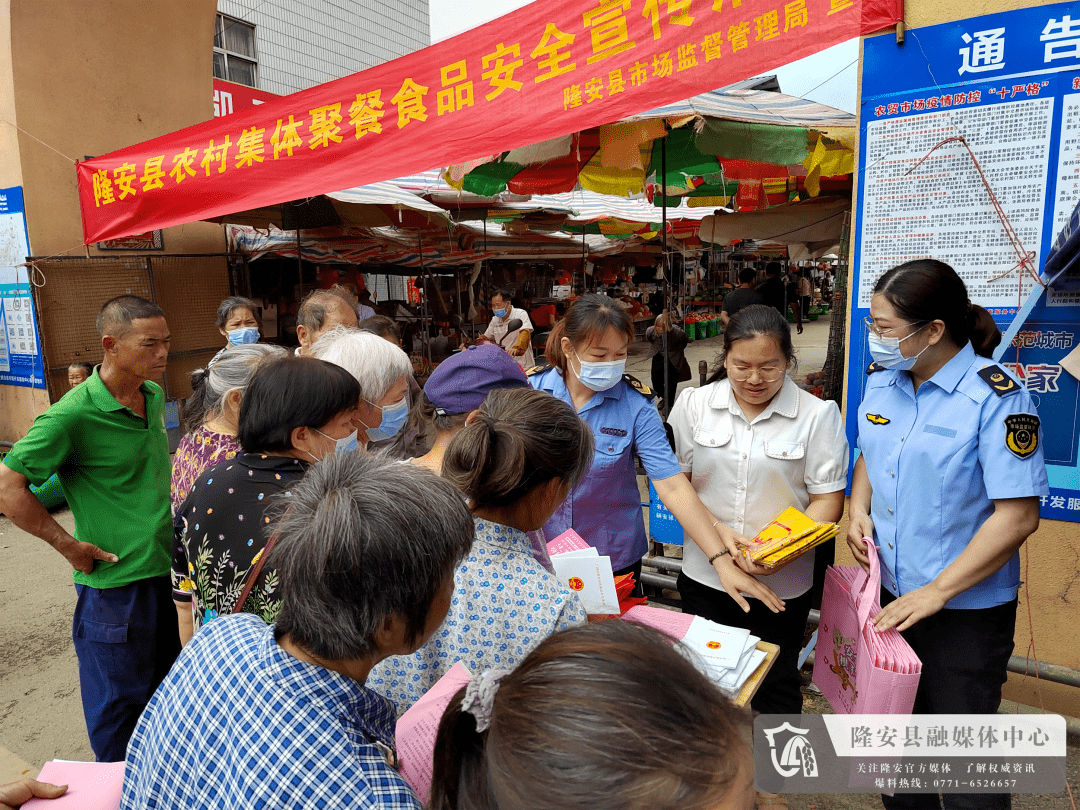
(587, 352)
(948, 485)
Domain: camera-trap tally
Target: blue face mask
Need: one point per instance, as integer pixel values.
(600, 376)
(245, 334)
(393, 420)
(500, 313)
(886, 351)
(345, 445)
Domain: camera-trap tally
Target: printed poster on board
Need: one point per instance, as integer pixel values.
(20, 352)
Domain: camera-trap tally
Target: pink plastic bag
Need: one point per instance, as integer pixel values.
(858, 669)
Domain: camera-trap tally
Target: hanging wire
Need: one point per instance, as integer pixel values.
(1026, 258)
(36, 138)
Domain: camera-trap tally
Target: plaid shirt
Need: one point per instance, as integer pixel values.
(239, 723)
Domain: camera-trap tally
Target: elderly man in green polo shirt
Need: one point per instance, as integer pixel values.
(106, 440)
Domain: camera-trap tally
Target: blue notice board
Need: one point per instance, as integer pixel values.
(20, 352)
(1010, 85)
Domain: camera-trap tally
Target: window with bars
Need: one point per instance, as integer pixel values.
(235, 59)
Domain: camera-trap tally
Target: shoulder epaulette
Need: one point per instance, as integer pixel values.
(1000, 382)
(870, 369)
(639, 386)
(538, 369)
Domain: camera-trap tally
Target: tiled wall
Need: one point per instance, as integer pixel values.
(301, 43)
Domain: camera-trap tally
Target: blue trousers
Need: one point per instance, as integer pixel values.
(126, 639)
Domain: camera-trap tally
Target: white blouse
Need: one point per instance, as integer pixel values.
(747, 473)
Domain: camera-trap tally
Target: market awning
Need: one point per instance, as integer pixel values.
(743, 148)
(377, 205)
(465, 244)
(811, 221)
(542, 72)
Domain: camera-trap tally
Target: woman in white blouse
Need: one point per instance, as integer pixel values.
(753, 444)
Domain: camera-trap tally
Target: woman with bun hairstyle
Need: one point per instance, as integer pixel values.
(584, 723)
(212, 413)
(947, 484)
(514, 461)
(587, 351)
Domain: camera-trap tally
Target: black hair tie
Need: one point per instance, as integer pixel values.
(490, 424)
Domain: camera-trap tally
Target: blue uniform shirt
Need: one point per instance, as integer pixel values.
(605, 506)
(937, 459)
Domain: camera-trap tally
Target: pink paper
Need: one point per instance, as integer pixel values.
(91, 785)
(417, 728)
(673, 624)
(567, 541)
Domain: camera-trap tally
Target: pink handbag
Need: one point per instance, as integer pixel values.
(858, 669)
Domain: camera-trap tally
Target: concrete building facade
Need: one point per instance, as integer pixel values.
(77, 82)
(301, 43)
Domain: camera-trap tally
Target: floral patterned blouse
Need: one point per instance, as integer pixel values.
(220, 531)
(505, 603)
(197, 453)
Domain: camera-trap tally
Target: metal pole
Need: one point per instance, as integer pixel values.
(584, 259)
(153, 297)
(299, 263)
(667, 272)
(425, 304)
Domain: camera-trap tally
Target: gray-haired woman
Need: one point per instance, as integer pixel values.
(382, 370)
(212, 413)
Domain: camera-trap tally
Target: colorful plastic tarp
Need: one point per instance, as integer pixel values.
(745, 148)
(540, 73)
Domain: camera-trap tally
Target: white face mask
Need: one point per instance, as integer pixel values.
(599, 376)
(886, 351)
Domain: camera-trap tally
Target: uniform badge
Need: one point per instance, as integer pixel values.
(876, 419)
(1022, 434)
(537, 370)
(1000, 382)
(870, 369)
(639, 386)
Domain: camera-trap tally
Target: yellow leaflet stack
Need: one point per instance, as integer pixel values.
(788, 536)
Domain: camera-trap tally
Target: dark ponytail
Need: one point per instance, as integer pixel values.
(581, 725)
(196, 406)
(231, 369)
(750, 322)
(458, 772)
(927, 290)
(588, 319)
(982, 331)
(521, 438)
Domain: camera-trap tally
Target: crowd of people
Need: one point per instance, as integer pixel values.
(254, 613)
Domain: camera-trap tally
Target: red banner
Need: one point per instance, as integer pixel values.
(230, 97)
(541, 72)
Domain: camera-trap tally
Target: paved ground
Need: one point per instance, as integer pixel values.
(810, 349)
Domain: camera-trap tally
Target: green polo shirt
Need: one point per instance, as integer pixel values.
(114, 468)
